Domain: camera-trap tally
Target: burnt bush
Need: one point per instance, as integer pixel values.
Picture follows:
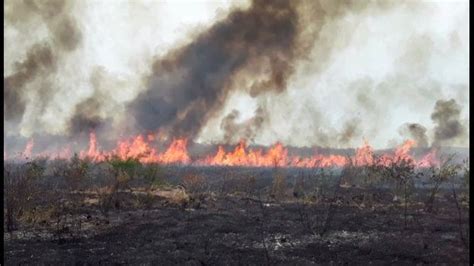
(438, 175)
(75, 172)
(194, 183)
(22, 192)
(279, 184)
(402, 173)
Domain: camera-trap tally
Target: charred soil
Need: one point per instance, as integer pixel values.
(354, 225)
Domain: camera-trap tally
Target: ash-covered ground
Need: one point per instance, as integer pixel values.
(128, 213)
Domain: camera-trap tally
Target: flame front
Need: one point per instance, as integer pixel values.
(277, 155)
(141, 148)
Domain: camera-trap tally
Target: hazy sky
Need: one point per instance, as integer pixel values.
(387, 68)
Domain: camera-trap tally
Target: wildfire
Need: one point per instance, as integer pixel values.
(138, 148)
(430, 159)
(28, 149)
(93, 152)
(276, 156)
(176, 153)
(364, 155)
(141, 148)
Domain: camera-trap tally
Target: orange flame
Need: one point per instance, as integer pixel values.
(429, 160)
(28, 149)
(140, 148)
(176, 153)
(276, 156)
(364, 155)
(93, 153)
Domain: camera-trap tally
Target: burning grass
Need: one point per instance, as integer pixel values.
(144, 150)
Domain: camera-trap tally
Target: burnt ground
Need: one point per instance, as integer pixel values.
(352, 226)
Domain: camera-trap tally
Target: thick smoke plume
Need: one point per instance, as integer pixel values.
(42, 58)
(190, 83)
(316, 72)
(88, 114)
(40, 61)
(446, 116)
(254, 49)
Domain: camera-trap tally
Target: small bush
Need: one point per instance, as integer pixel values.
(466, 173)
(250, 185)
(279, 187)
(129, 166)
(154, 176)
(76, 172)
(299, 188)
(439, 175)
(121, 173)
(402, 171)
(22, 192)
(194, 183)
(145, 200)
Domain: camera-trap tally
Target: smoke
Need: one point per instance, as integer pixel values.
(32, 79)
(191, 82)
(40, 60)
(254, 49)
(92, 113)
(449, 128)
(363, 73)
(416, 132)
(349, 131)
(320, 73)
(446, 116)
(248, 129)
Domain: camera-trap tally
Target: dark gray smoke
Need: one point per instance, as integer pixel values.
(87, 114)
(42, 58)
(190, 84)
(446, 116)
(229, 126)
(248, 129)
(416, 132)
(349, 131)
